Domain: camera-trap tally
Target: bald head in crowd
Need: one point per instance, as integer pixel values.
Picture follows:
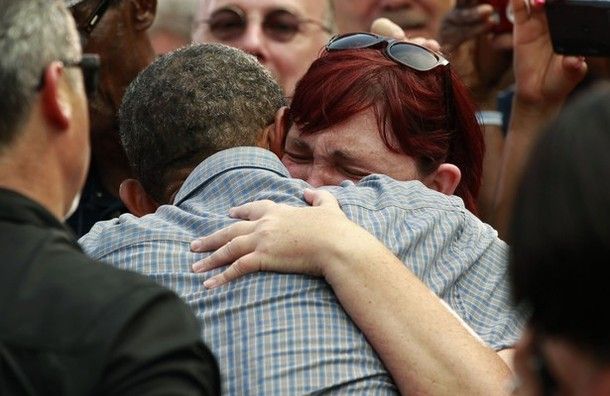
(285, 35)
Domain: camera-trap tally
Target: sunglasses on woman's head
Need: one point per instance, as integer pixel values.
(407, 54)
(280, 25)
(411, 55)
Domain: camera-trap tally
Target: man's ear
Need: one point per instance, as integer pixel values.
(445, 179)
(136, 199)
(277, 136)
(143, 13)
(55, 102)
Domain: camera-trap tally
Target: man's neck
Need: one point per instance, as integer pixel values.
(41, 184)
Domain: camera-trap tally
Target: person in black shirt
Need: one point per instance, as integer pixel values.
(69, 325)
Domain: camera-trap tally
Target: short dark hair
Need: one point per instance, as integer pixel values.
(190, 104)
(560, 233)
(33, 33)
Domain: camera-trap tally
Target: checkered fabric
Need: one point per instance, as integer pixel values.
(277, 334)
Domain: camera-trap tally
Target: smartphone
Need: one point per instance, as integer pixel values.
(504, 14)
(579, 27)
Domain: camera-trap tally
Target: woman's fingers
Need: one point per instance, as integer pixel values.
(252, 210)
(385, 27)
(221, 237)
(243, 266)
(229, 252)
(320, 198)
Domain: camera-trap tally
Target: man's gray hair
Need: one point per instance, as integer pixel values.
(33, 33)
(190, 104)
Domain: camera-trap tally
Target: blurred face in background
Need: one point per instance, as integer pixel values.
(284, 35)
(418, 18)
(114, 30)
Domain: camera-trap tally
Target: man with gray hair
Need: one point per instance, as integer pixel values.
(70, 325)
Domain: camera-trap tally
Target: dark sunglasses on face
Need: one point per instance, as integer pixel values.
(280, 25)
(90, 66)
(85, 28)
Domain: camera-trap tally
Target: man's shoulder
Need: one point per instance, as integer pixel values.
(129, 235)
(49, 286)
(378, 191)
(70, 318)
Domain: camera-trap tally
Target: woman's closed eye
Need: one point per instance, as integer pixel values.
(299, 158)
(353, 173)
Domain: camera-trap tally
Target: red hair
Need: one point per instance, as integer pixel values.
(411, 108)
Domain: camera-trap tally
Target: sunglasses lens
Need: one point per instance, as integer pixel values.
(227, 24)
(281, 25)
(413, 56)
(353, 41)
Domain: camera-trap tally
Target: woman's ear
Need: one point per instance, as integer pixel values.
(445, 179)
(136, 199)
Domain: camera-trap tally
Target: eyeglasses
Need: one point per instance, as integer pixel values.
(90, 66)
(92, 20)
(229, 23)
(407, 54)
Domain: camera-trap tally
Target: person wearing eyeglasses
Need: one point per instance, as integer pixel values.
(284, 35)
(116, 30)
(70, 325)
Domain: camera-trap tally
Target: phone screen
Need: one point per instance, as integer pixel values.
(579, 27)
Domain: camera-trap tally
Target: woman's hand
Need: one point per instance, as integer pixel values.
(279, 238)
(542, 76)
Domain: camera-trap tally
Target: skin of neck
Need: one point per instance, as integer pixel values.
(31, 166)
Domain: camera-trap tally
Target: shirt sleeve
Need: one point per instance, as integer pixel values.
(160, 352)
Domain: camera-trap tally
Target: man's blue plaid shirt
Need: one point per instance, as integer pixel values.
(276, 334)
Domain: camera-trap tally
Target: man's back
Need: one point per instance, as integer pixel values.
(272, 334)
(286, 334)
(71, 326)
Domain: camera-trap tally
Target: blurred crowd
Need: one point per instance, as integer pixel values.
(286, 197)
